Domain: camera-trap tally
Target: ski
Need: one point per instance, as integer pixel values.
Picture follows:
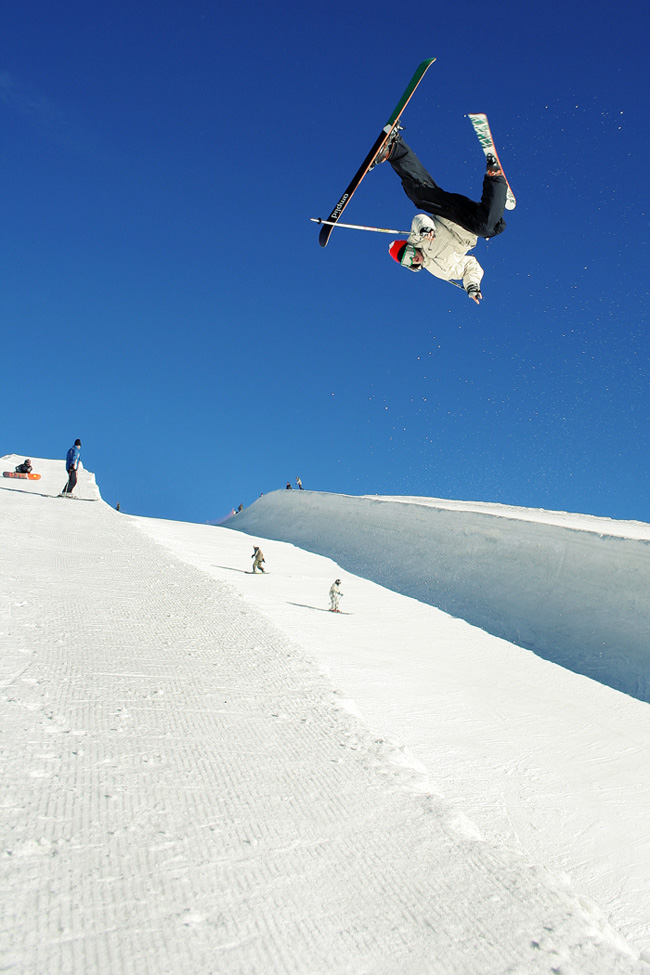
(482, 129)
(26, 477)
(379, 144)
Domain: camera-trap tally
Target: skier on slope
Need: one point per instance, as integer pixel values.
(335, 596)
(72, 462)
(441, 237)
(258, 559)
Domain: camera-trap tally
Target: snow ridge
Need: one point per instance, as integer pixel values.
(572, 589)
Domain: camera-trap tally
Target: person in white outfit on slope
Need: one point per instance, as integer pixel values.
(335, 596)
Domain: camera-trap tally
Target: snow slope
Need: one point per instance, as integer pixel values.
(184, 792)
(574, 589)
(540, 758)
(53, 479)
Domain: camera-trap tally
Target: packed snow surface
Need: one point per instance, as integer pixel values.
(207, 772)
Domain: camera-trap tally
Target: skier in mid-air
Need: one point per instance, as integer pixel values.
(441, 237)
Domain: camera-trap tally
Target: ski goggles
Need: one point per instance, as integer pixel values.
(408, 257)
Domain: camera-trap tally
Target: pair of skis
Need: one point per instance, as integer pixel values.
(481, 127)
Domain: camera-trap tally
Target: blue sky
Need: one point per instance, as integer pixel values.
(164, 298)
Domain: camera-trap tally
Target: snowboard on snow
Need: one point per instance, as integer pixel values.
(26, 477)
(482, 129)
(379, 144)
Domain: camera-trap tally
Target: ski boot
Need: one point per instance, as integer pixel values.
(386, 152)
(492, 165)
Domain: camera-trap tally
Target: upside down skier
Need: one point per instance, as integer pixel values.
(441, 237)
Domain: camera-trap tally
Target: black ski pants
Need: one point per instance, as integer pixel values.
(485, 219)
(72, 480)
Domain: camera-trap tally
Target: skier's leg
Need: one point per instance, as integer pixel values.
(485, 219)
(423, 191)
(489, 212)
(408, 167)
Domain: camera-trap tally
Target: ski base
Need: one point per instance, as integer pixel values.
(379, 144)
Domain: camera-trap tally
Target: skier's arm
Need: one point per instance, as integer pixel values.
(422, 225)
(472, 277)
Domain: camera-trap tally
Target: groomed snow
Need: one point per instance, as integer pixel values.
(205, 771)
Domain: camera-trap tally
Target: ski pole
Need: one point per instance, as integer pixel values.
(378, 230)
(354, 226)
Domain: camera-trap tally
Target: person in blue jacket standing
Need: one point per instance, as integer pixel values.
(71, 464)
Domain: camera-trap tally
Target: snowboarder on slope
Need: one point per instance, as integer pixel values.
(335, 596)
(441, 237)
(25, 467)
(258, 558)
(71, 465)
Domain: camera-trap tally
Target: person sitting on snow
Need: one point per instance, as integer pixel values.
(25, 467)
(441, 237)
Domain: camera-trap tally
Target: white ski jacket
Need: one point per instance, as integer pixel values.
(446, 255)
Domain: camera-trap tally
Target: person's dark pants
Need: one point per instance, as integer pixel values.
(485, 219)
(72, 480)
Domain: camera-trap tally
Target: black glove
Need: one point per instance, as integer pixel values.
(474, 293)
